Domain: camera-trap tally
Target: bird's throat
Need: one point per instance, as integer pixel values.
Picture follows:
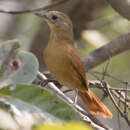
(62, 34)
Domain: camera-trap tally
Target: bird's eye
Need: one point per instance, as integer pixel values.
(54, 17)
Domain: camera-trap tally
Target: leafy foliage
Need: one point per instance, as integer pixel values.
(41, 99)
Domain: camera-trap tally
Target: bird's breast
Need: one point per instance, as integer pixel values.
(58, 63)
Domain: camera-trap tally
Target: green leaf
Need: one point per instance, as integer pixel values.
(43, 100)
(8, 50)
(20, 114)
(28, 69)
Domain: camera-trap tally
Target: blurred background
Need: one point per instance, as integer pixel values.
(94, 23)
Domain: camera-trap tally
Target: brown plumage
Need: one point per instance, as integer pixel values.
(64, 63)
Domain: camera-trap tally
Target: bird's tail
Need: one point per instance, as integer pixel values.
(94, 104)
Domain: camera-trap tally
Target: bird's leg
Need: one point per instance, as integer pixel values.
(104, 96)
(68, 90)
(76, 97)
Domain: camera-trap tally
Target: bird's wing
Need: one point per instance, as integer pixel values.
(78, 66)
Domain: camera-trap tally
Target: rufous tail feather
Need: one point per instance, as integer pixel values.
(94, 104)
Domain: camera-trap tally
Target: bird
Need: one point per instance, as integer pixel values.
(65, 64)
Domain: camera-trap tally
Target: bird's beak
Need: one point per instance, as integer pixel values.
(43, 15)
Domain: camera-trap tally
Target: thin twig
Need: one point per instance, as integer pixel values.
(116, 105)
(94, 75)
(118, 116)
(105, 70)
(125, 106)
(120, 89)
(98, 84)
(115, 93)
(93, 121)
(108, 75)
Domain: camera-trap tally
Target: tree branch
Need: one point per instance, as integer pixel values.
(58, 2)
(113, 48)
(84, 115)
(121, 6)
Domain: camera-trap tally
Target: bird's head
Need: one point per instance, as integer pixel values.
(56, 19)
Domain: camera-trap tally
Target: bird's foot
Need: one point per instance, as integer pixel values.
(46, 81)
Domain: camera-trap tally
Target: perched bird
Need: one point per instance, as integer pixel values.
(64, 63)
